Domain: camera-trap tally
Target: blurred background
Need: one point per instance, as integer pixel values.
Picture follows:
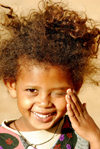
(89, 93)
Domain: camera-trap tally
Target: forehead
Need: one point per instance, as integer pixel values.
(44, 69)
(42, 72)
(30, 64)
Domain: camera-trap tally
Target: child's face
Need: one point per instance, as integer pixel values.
(40, 93)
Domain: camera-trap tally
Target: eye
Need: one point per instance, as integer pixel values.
(58, 94)
(61, 94)
(32, 91)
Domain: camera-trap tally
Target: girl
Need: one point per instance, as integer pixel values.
(43, 64)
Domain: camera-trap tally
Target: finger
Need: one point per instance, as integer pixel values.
(72, 106)
(76, 100)
(70, 111)
(85, 113)
(71, 115)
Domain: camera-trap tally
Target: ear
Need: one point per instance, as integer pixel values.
(11, 86)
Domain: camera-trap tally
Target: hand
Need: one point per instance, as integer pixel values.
(81, 121)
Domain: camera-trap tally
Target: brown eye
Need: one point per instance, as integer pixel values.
(32, 91)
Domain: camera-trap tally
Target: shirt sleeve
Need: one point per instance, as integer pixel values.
(81, 143)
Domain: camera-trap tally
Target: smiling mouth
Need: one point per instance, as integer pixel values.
(45, 117)
(42, 115)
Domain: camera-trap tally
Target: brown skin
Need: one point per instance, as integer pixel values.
(71, 43)
(81, 121)
(40, 90)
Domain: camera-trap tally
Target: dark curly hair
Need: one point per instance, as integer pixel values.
(53, 35)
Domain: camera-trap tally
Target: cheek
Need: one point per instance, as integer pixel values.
(24, 103)
(60, 104)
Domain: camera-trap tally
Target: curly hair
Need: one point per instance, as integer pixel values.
(53, 35)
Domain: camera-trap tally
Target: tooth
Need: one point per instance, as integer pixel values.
(41, 115)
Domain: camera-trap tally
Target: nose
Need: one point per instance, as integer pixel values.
(45, 101)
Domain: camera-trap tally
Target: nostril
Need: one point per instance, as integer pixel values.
(46, 104)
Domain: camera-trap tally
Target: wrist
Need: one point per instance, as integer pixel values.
(95, 141)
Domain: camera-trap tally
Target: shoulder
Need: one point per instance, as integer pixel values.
(9, 139)
(81, 143)
(4, 127)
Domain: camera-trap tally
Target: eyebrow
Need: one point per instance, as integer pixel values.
(55, 88)
(60, 88)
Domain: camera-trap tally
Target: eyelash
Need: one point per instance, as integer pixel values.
(35, 92)
(60, 94)
(31, 90)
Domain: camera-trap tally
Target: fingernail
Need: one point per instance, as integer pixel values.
(68, 99)
(69, 90)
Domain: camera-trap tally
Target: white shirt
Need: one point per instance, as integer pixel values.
(40, 136)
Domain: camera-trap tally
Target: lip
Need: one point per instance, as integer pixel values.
(44, 117)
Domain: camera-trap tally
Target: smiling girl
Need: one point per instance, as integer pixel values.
(43, 64)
